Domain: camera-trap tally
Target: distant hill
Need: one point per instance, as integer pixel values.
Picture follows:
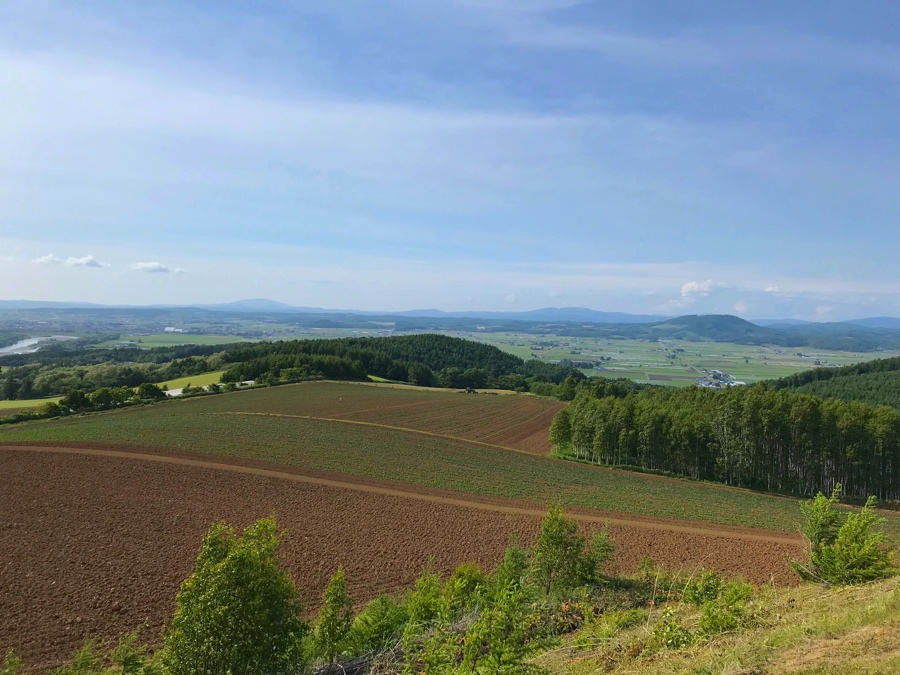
(717, 327)
(781, 322)
(878, 322)
(564, 314)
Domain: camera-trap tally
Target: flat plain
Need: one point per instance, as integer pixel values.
(674, 363)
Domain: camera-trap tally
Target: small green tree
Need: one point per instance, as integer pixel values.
(335, 619)
(85, 662)
(150, 391)
(239, 610)
(463, 589)
(562, 559)
(378, 626)
(513, 571)
(561, 430)
(426, 604)
(849, 553)
(499, 640)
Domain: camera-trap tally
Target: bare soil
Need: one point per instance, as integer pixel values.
(94, 542)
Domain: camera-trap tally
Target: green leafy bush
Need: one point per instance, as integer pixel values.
(840, 554)
(669, 633)
(239, 610)
(464, 588)
(335, 619)
(728, 611)
(562, 558)
(703, 588)
(378, 626)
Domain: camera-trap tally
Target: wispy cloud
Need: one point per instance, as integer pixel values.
(86, 261)
(48, 259)
(700, 287)
(151, 267)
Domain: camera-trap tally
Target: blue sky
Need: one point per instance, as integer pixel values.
(666, 157)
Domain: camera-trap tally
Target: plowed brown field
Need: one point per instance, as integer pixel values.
(95, 542)
(517, 422)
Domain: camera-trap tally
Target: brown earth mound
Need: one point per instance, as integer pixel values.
(96, 544)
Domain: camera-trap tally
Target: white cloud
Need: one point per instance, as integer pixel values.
(702, 288)
(153, 267)
(741, 307)
(48, 259)
(822, 310)
(773, 289)
(86, 261)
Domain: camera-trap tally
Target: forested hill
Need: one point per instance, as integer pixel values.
(426, 359)
(876, 382)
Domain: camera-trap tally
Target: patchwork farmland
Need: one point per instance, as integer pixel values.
(374, 478)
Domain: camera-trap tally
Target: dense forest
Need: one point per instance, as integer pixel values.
(424, 359)
(875, 382)
(754, 437)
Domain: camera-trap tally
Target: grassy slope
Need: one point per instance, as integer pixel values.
(26, 403)
(198, 425)
(194, 380)
(170, 339)
(806, 630)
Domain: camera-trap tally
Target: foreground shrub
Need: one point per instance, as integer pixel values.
(851, 553)
(335, 619)
(727, 611)
(378, 626)
(239, 611)
(563, 559)
(668, 632)
(703, 589)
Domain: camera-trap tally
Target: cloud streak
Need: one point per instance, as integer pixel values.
(151, 267)
(86, 261)
(48, 259)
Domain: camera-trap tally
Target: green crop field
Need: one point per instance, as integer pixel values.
(193, 380)
(208, 425)
(173, 339)
(671, 362)
(27, 403)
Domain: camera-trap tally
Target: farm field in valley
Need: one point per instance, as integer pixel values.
(296, 425)
(103, 524)
(650, 362)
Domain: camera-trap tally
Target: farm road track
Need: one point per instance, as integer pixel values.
(622, 520)
(420, 432)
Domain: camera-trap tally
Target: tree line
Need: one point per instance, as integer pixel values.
(754, 437)
(876, 382)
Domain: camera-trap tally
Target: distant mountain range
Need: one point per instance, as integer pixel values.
(707, 326)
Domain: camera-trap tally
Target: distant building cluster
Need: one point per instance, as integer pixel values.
(717, 379)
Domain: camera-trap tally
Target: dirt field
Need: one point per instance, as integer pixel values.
(96, 544)
(518, 422)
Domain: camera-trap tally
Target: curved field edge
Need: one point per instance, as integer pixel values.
(461, 501)
(99, 544)
(187, 426)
